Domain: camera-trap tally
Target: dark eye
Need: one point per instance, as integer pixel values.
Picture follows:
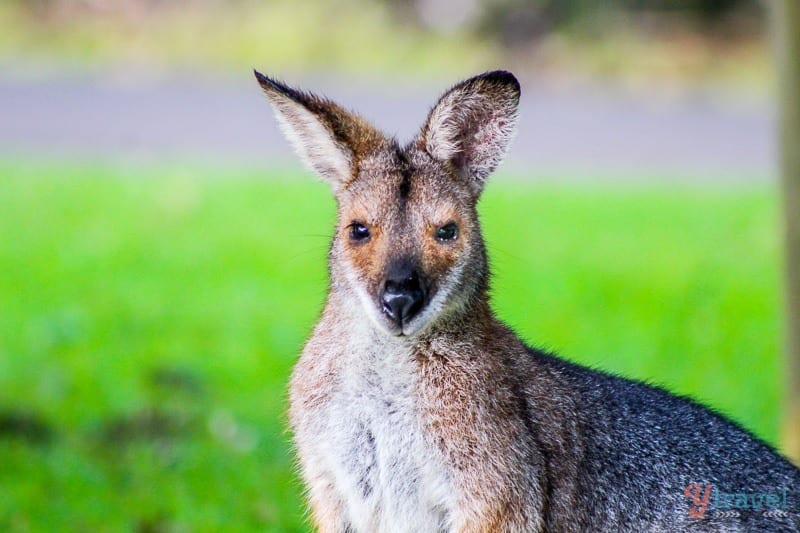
(448, 232)
(358, 232)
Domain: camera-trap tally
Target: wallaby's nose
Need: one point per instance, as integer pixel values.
(403, 297)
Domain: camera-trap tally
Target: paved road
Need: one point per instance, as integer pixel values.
(585, 131)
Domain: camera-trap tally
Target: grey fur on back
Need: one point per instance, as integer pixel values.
(414, 409)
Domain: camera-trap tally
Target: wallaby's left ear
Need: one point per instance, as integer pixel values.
(473, 123)
(328, 139)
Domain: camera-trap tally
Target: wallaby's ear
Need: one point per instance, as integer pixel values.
(472, 125)
(329, 140)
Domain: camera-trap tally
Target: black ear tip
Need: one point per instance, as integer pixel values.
(272, 86)
(502, 77)
(263, 80)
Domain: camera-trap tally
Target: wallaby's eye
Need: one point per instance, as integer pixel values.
(448, 232)
(358, 232)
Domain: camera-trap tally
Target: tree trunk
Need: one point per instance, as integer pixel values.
(786, 28)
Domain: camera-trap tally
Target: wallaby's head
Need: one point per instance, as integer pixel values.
(407, 243)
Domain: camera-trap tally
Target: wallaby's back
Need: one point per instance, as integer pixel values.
(643, 446)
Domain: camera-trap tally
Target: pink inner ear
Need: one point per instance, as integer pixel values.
(312, 140)
(326, 137)
(472, 129)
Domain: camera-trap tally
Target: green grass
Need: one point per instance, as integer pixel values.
(149, 319)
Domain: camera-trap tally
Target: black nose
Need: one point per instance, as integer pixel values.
(403, 297)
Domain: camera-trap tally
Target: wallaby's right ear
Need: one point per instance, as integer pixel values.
(328, 139)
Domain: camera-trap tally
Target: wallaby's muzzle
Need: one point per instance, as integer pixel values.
(403, 295)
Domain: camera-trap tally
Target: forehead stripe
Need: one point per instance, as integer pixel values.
(405, 184)
(405, 173)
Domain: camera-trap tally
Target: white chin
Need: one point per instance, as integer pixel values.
(386, 325)
(413, 327)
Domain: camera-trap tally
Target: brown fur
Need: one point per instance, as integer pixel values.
(441, 419)
(403, 196)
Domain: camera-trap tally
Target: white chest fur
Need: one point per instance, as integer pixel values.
(388, 477)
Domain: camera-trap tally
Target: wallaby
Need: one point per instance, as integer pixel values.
(414, 408)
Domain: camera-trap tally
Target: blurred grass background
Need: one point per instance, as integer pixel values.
(635, 42)
(150, 320)
(150, 313)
